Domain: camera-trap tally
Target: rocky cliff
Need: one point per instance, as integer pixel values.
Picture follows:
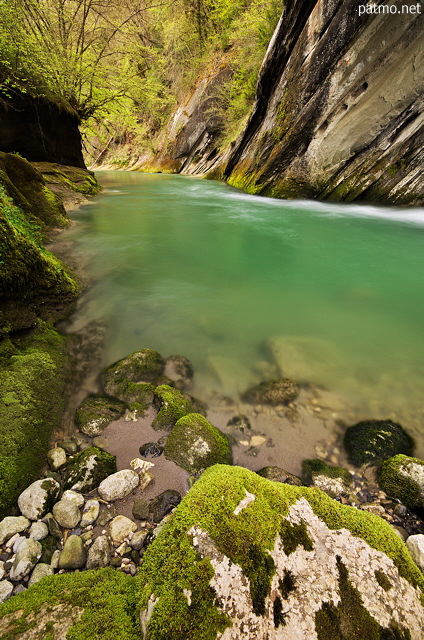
(337, 113)
(40, 130)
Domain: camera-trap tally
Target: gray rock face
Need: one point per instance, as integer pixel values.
(40, 571)
(90, 513)
(26, 558)
(99, 553)
(337, 110)
(56, 458)
(74, 554)
(6, 589)
(36, 501)
(66, 514)
(73, 496)
(38, 531)
(119, 485)
(11, 525)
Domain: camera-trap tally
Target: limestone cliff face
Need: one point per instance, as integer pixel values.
(338, 111)
(39, 130)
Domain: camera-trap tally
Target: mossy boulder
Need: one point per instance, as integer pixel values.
(85, 605)
(145, 365)
(249, 558)
(334, 481)
(32, 382)
(194, 444)
(96, 412)
(375, 441)
(402, 477)
(172, 406)
(276, 474)
(88, 468)
(272, 392)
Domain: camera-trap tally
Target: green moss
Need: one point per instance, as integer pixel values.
(375, 441)
(195, 444)
(96, 412)
(32, 380)
(106, 596)
(173, 406)
(293, 535)
(316, 467)
(350, 620)
(383, 580)
(89, 468)
(145, 365)
(138, 395)
(169, 562)
(397, 484)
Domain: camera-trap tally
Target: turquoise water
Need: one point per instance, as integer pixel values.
(250, 287)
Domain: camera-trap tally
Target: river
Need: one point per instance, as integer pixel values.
(253, 288)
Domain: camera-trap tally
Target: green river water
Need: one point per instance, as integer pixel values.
(252, 288)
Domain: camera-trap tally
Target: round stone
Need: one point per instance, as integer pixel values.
(56, 458)
(99, 553)
(11, 525)
(73, 496)
(120, 528)
(118, 485)
(66, 514)
(39, 530)
(26, 558)
(40, 571)
(73, 555)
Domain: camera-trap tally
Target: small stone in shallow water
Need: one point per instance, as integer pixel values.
(151, 449)
(242, 423)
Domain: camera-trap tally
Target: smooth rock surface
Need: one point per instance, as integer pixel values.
(56, 458)
(120, 528)
(90, 513)
(73, 496)
(6, 589)
(118, 485)
(38, 530)
(74, 554)
(36, 501)
(415, 546)
(66, 514)
(26, 558)
(99, 553)
(11, 525)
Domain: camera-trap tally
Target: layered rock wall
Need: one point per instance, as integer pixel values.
(338, 111)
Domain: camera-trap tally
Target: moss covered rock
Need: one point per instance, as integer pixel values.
(252, 559)
(32, 382)
(91, 604)
(195, 444)
(402, 477)
(272, 392)
(172, 406)
(334, 481)
(96, 412)
(145, 365)
(375, 441)
(88, 468)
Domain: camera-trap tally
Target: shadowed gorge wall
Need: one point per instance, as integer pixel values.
(40, 130)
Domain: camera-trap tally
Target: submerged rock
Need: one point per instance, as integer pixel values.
(36, 501)
(375, 441)
(172, 406)
(145, 365)
(278, 561)
(195, 444)
(272, 392)
(402, 477)
(88, 468)
(180, 370)
(96, 412)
